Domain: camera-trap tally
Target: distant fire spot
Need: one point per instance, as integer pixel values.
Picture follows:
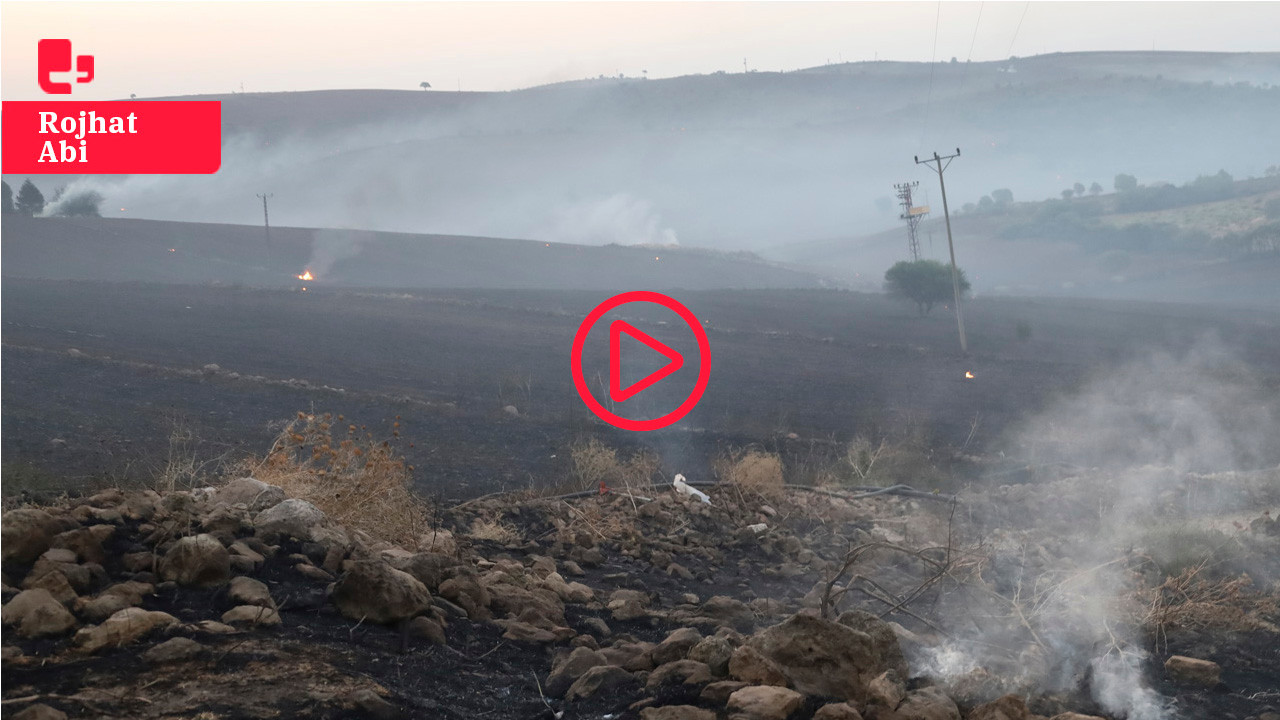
(968, 375)
(306, 275)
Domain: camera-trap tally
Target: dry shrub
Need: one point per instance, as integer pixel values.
(355, 480)
(1192, 601)
(494, 531)
(594, 463)
(908, 460)
(753, 471)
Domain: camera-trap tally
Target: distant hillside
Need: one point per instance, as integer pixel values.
(173, 252)
(732, 161)
(1211, 239)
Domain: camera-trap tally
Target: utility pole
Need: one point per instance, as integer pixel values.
(266, 223)
(937, 164)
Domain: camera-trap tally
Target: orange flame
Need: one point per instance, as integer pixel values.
(306, 275)
(968, 374)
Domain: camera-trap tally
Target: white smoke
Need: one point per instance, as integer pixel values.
(620, 218)
(328, 247)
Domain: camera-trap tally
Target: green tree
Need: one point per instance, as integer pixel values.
(82, 204)
(1068, 194)
(7, 207)
(924, 282)
(1095, 189)
(1003, 196)
(1125, 183)
(30, 199)
(1079, 189)
(985, 203)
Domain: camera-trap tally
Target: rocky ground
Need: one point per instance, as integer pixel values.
(238, 602)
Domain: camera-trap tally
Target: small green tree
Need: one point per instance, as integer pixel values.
(1003, 196)
(7, 205)
(1068, 194)
(1095, 189)
(82, 204)
(1125, 183)
(1078, 188)
(30, 200)
(924, 282)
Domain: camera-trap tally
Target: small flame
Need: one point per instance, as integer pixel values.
(968, 374)
(306, 275)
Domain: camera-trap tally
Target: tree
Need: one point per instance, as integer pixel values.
(30, 199)
(924, 282)
(7, 207)
(80, 204)
(1095, 189)
(985, 203)
(1068, 194)
(1079, 189)
(1125, 183)
(424, 85)
(1003, 196)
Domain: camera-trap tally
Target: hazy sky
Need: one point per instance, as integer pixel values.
(174, 48)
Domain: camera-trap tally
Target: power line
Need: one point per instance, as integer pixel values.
(1025, 8)
(933, 56)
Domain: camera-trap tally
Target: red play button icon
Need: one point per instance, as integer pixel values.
(675, 361)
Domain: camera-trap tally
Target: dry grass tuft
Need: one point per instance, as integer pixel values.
(1193, 601)
(753, 471)
(356, 480)
(594, 463)
(494, 531)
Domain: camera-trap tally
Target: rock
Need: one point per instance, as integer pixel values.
(374, 705)
(56, 583)
(241, 549)
(747, 664)
(430, 568)
(886, 690)
(37, 613)
(928, 703)
(60, 555)
(676, 646)
(197, 561)
(40, 711)
(83, 542)
(570, 668)
(174, 650)
(883, 637)
(298, 519)
(628, 604)
(247, 591)
(597, 626)
(251, 492)
(602, 678)
(1009, 707)
(251, 616)
(311, 572)
(717, 693)
(837, 711)
(373, 590)
(715, 652)
(428, 629)
(525, 632)
(676, 712)
(1193, 671)
(10, 654)
(1075, 716)
(466, 592)
(122, 628)
(213, 627)
(25, 533)
(821, 657)
(511, 410)
(763, 702)
(103, 607)
(686, 672)
(729, 611)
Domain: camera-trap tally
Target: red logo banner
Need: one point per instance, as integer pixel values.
(124, 137)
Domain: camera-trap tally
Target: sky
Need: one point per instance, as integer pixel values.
(155, 49)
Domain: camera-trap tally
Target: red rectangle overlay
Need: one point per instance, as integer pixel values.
(125, 137)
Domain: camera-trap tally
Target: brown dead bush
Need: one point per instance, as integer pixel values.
(752, 471)
(354, 479)
(595, 462)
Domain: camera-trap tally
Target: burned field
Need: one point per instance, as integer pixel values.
(1091, 529)
(99, 377)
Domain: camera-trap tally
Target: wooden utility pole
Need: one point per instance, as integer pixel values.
(266, 223)
(937, 164)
